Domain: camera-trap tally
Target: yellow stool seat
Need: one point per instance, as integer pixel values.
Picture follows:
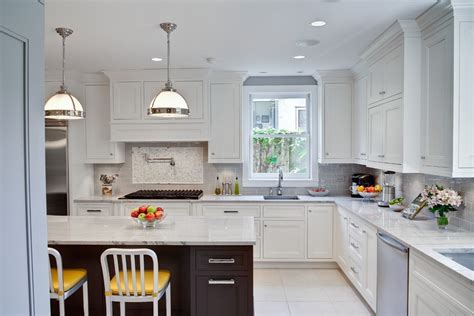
(163, 280)
(70, 278)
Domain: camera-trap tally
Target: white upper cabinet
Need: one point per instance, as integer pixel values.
(335, 117)
(132, 92)
(359, 119)
(447, 132)
(225, 140)
(99, 148)
(394, 62)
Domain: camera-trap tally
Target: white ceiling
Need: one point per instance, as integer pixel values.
(242, 35)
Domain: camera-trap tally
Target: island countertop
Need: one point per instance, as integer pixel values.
(175, 231)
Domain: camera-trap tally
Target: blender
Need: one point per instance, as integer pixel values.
(388, 189)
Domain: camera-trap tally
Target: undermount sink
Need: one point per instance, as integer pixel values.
(281, 197)
(463, 256)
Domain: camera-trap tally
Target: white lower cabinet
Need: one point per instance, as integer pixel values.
(94, 209)
(283, 239)
(434, 290)
(319, 227)
(356, 254)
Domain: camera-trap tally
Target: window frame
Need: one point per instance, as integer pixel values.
(270, 180)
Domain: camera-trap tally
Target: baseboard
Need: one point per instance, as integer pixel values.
(295, 265)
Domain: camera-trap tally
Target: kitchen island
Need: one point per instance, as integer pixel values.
(186, 246)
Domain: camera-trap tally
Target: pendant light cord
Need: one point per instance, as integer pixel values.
(168, 83)
(63, 86)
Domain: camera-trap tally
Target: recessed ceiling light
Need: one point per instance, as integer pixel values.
(298, 57)
(307, 43)
(318, 23)
(157, 59)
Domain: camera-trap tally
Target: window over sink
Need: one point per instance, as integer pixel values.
(279, 132)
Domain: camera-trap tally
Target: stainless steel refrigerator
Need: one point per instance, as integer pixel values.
(56, 168)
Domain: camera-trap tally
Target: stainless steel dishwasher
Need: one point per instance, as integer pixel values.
(392, 276)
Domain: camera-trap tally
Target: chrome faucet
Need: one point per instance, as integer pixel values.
(280, 180)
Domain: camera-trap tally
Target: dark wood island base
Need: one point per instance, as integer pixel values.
(205, 280)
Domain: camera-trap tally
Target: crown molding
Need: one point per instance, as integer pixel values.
(333, 75)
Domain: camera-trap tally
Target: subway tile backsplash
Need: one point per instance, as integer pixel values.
(335, 177)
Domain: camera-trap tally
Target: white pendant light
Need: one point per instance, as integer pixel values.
(168, 102)
(63, 105)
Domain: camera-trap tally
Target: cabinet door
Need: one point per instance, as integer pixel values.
(437, 100)
(127, 100)
(376, 133)
(320, 223)
(220, 295)
(337, 120)
(225, 141)
(370, 265)
(342, 238)
(376, 82)
(393, 73)
(99, 149)
(393, 134)
(94, 209)
(191, 91)
(283, 239)
(466, 95)
(359, 120)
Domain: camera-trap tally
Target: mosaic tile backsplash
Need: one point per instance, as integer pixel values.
(187, 166)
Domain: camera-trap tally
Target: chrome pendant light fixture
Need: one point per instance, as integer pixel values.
(63, 105)
(168, 102)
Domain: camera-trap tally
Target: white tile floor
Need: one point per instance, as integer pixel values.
(302, 292)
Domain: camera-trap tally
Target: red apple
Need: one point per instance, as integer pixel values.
(134, 213)
(159, 214)
(159, 209)
(150, 217)
(142, 209)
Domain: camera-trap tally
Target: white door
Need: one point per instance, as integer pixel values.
(225, 142)
(393, 124)
(376, 133)
(437, 100)
(23, 236)
(283, 239)
(320, 224)
(376, 82)
(337, 120)
(359, 120)
(393, 73)
(466, 95)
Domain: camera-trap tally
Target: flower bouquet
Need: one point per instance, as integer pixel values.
(441, 200)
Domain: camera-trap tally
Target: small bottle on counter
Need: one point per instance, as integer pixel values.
(217, 190)
(236, 186)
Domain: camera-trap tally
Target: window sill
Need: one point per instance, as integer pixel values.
(289, 183)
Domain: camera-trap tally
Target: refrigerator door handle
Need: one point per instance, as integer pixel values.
(392, 242)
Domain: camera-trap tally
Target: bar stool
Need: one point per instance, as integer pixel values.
(123, 286)
(65, 282)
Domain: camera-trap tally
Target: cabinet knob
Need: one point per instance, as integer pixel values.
(327, 154)
(111, 154)
(212, 154)
(310, 211)
(265, 225)
(382, 92)
(381, 156)
(423, 157)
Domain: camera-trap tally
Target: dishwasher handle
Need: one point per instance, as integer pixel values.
(392, 242)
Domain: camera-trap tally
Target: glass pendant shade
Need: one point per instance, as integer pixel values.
(168, 103)
(63, 106)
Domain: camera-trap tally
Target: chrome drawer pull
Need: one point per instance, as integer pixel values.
(222, 261)
(221, 282)
(231, 211)
(354, 225)
(354, 246)
(94, 211)
(354, 270)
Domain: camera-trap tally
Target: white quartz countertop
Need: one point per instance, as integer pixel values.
(179, 230)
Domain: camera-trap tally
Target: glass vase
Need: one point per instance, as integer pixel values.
(442, 221)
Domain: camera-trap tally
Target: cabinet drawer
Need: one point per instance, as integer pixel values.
(355, 228)
(95, 209)
(355, 272)
(281, 211)
(231, 209)
(173, 209)
(222, 260)
(356, 249)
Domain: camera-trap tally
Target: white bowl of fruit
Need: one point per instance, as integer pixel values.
(318, 191)
(370, 191)
(148, 216)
